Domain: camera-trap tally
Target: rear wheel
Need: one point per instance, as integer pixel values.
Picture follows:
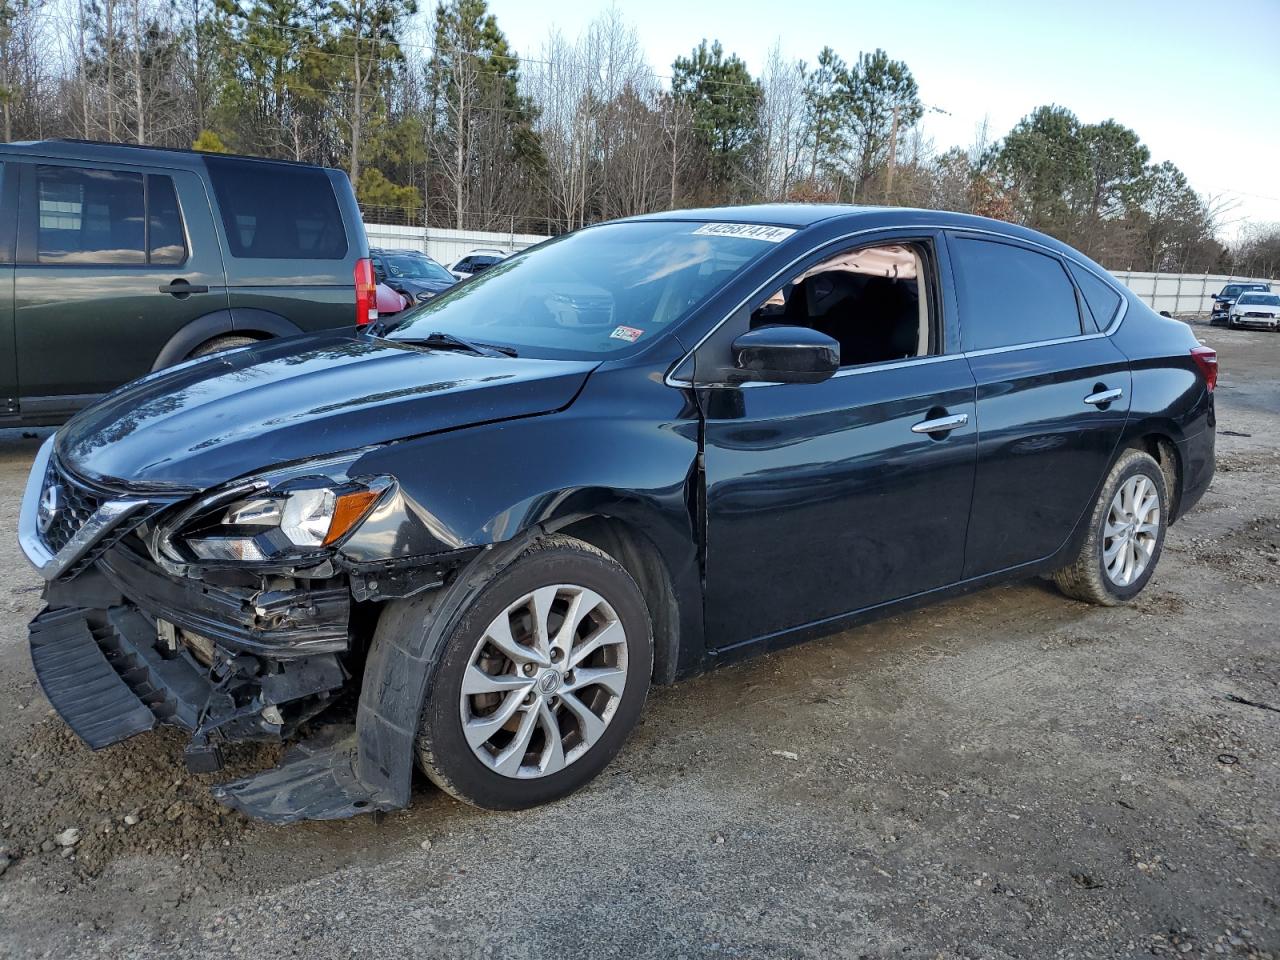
(218, 344)
(1126, 534)
(540, 681)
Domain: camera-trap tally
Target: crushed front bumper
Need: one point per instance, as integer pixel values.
(111, 673)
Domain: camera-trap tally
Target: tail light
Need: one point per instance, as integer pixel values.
(1206, 359)
(366, 292)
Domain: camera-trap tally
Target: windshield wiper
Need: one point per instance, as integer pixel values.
(448, 341)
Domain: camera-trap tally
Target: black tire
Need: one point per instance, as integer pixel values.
(442, 749)
(1086, 577)
(218, 344)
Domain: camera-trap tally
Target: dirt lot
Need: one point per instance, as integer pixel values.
(1009, 775)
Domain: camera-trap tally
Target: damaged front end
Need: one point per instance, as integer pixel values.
(232, 615)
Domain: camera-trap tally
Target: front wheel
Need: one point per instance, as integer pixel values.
(1126, 534)
(541, 679)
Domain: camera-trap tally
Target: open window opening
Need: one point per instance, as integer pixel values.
(877, 302)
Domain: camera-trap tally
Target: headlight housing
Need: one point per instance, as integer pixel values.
(296, 516)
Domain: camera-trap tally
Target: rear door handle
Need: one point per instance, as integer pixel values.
(180, 288)
(1104, 396)
(941, 424)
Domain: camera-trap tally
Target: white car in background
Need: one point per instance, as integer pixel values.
(479, 259)
(1251, 309)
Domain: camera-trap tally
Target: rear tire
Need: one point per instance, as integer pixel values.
(517, 735)
(1127, 523)
(218, 344)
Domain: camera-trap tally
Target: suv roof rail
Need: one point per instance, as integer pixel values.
(153, 148)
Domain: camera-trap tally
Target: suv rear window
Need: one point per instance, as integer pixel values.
(276, 212)
(1011, 295)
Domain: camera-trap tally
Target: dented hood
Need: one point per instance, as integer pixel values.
(206, 422)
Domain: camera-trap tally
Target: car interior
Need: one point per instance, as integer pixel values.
(872, 301)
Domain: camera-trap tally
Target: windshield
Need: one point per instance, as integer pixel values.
(598, 293)
(409, 267)
(1266, 299)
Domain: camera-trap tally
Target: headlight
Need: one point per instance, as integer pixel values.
(425, 295)
(295, 515)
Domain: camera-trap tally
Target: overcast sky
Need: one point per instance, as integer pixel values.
(1199, 82)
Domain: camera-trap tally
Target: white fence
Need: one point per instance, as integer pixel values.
(445, 246)
(1175, 292)
(1179, 292)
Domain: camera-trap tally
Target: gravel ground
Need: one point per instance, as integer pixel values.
(1012, 774)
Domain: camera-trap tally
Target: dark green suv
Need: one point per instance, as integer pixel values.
(117, 260)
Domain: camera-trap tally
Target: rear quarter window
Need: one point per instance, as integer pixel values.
(277, 212)
(1101, 300)
(1010, 295)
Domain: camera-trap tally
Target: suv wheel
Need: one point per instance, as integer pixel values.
(540, 681)
(218, 344)
(1126, 534)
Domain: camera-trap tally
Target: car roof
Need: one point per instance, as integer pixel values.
(800, 216)
(91, 150)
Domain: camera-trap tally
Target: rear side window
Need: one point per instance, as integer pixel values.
(276, 212)
(1101, 300)
(1010, 295)
(89, 216)
(166, 240)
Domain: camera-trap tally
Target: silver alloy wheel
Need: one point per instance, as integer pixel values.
(544, 681)
(1130, 532)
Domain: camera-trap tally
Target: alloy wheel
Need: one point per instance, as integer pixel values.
(1130, 530)
(544, 681)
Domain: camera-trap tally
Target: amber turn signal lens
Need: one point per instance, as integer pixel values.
(347, 513)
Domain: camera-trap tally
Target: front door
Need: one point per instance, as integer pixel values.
(823, 499)
(106, 273)
(1053, 397)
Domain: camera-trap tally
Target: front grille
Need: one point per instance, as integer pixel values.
(1260, 316)
(77, 503)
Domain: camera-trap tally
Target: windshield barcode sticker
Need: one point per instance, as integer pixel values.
(748, 231)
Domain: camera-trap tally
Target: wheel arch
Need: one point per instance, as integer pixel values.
(641, 558)
(260, 324)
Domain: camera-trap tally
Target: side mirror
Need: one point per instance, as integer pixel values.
(784, 354)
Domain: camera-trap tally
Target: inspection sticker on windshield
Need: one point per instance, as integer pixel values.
(629, 334)
(748, 231)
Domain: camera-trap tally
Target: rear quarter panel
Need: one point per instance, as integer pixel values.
(311, 294)
(1169, 395)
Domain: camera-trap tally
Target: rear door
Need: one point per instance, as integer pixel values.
(8, 230)
(1053, 397)
(112, 261)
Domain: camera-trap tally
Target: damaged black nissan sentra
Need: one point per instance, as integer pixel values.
(626, 455)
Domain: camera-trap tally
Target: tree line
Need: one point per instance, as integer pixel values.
(439, 121)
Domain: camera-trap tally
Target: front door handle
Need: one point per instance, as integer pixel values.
(180, 288)
(941, 424)
(1103, 397)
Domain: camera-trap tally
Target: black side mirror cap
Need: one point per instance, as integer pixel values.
(785, 354)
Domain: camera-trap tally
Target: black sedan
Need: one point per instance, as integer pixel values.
(622, 457)
(408, 272)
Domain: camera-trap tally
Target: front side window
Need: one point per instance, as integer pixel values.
(599, 293)
(272, 211)
(874, 301)
(89, 216)
(1009, 295)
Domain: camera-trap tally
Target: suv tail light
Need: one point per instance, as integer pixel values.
(366, 292)
(1206, 359)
